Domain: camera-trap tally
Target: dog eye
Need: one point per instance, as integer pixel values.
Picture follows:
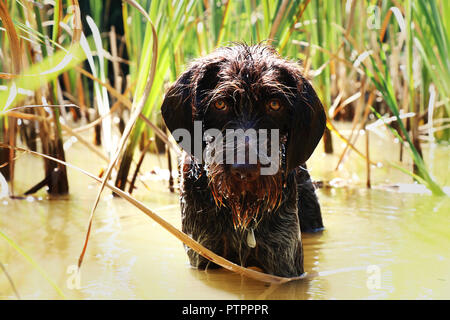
(274, 105)
(220, 105)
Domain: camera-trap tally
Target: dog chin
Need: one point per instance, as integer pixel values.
(248, 201)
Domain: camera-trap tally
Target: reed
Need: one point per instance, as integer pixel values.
(26, 36)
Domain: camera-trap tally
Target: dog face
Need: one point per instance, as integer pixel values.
(257, 101)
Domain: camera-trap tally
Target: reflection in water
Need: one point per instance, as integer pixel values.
(377, 244)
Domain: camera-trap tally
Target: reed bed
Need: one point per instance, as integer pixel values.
(368, 59)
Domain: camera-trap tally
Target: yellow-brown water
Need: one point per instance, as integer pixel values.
(379, 243)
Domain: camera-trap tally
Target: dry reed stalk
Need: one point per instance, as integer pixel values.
(368, 184)
(356, 121)
(298, 16)
(332, 128)
(277, 20)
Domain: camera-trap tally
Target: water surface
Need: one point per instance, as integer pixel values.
(379, 243)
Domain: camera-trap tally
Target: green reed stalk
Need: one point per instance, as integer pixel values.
(383, 82)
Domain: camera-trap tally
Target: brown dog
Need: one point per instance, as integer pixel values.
(235, 208)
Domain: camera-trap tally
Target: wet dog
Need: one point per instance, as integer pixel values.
(248, 120)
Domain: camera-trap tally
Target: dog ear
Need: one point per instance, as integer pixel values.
(179, 108)
(308, 124)
(178, 105)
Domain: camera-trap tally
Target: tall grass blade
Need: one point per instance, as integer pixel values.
(33, 263)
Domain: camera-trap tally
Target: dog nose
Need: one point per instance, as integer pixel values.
(248, 172)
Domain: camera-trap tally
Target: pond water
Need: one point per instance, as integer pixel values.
(388, 242)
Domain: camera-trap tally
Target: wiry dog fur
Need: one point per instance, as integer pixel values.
(220, 210)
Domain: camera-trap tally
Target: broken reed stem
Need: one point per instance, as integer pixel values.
(277, 21)
(362, 125)
(11, 282)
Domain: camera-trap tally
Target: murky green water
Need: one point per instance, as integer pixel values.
(378, 244)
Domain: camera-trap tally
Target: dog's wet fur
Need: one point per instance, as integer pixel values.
(222, 204)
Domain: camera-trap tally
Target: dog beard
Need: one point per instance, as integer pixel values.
(247, 200)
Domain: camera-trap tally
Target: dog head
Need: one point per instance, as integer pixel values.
(248, 102)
